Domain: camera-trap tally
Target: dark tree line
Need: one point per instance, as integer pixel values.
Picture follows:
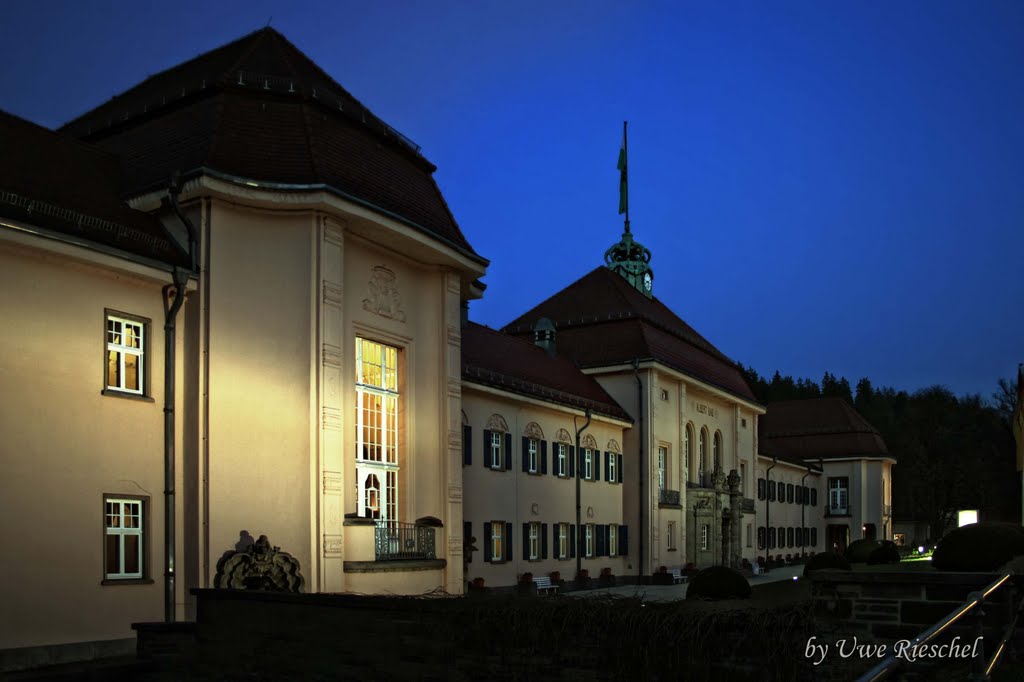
(952, 452)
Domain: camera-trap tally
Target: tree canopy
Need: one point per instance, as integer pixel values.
(952, 452)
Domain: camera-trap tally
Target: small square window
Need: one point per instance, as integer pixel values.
(664, 395)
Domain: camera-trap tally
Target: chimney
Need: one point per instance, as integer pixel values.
(544, 335)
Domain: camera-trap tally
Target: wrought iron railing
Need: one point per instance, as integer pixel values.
(837, 511)
(395, 541)
(668, 496)
(980, 668)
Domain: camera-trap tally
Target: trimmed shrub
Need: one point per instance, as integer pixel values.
(886, 554)
(979, 547)
(859, 551)
(718, 582)
(825, 560)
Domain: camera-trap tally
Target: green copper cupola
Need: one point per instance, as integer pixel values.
(630, 259)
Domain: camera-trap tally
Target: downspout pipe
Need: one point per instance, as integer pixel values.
(173, 298)
(803, 506)
(640, 416)
(767, 501)
(579, 475)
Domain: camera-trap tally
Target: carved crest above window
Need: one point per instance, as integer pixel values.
(382, 295)
(497, 423)
(533, 430)
(589, 442)
(562, 436)
(613, 446)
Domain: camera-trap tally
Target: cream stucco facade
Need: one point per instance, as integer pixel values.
(679, 494)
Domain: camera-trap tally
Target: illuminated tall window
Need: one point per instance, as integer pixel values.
(377, 430)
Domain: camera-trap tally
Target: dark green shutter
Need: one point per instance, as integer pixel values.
(467, 444)
(508, 451)
(543, 456)
(572, 459)
(543, 541)
(467, 540)
(526, 541)
(572, 541)
(618, 465)
(526, 453)
(487, 540)
(508, 541)
(486, 459)
(607, 460)
(623, 540)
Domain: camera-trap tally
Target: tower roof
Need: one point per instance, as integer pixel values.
(259, 109)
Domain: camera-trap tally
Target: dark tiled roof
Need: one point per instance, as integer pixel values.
(260, 109)
(602, 320)
(826, 428)
(502, 361)
(56, 182)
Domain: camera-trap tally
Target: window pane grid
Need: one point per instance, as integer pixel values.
(377, 429)
(124, 538)
(124, 355)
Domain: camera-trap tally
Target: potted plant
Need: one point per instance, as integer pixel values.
(661, 576)
(476, 585)
(606, 579)
(583, 579)
(526, 585)
(556, 579)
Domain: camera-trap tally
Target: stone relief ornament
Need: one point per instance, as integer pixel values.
(589, 442)
(497, 423)
(533, 430)
(562, 436)
(259, 567)
(383, 297)
(613, 446)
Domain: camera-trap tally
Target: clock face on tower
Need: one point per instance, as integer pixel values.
(647, 281)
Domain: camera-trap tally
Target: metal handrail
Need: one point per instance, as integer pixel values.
(891, 662)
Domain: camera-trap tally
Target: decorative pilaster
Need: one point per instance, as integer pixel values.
(452, 416)
(330, 361)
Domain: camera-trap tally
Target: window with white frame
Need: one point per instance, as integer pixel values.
(125, 354)
(702, 451)
(588, 540)
(534, 543)
(124, 538)
(563, 541)
(613, 539)
(662, 467)
(497, 458)
(377, 430)
(716, 449)
(588, 464)
(838, 495)
(670, 535)
(561, 459)
(498, 540)
(532, 455)
(704, 536)
(612, 464)
(688, 451)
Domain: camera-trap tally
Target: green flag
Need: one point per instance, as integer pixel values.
(623, 182)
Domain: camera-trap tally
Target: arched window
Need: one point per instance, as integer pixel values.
(688, 452)
(702, 449)
(717, 449)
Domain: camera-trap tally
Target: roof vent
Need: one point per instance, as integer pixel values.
(544, 335)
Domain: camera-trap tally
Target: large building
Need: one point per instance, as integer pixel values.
(237, 305)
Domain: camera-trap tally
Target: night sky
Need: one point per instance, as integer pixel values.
(824, 186)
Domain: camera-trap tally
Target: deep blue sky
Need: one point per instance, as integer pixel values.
(824, 186)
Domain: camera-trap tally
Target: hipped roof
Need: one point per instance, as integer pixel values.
(53, 181)
(494, 359)
(825, 428)
(602, 320)
(259, 109)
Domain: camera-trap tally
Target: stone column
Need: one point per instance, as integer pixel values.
(735, 503)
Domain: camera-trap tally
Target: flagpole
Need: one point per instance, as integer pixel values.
(625, 147)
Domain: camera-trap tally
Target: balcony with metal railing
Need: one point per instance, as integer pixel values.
(396, 541)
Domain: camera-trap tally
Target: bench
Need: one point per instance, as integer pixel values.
(544, 586)
(677, 576)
